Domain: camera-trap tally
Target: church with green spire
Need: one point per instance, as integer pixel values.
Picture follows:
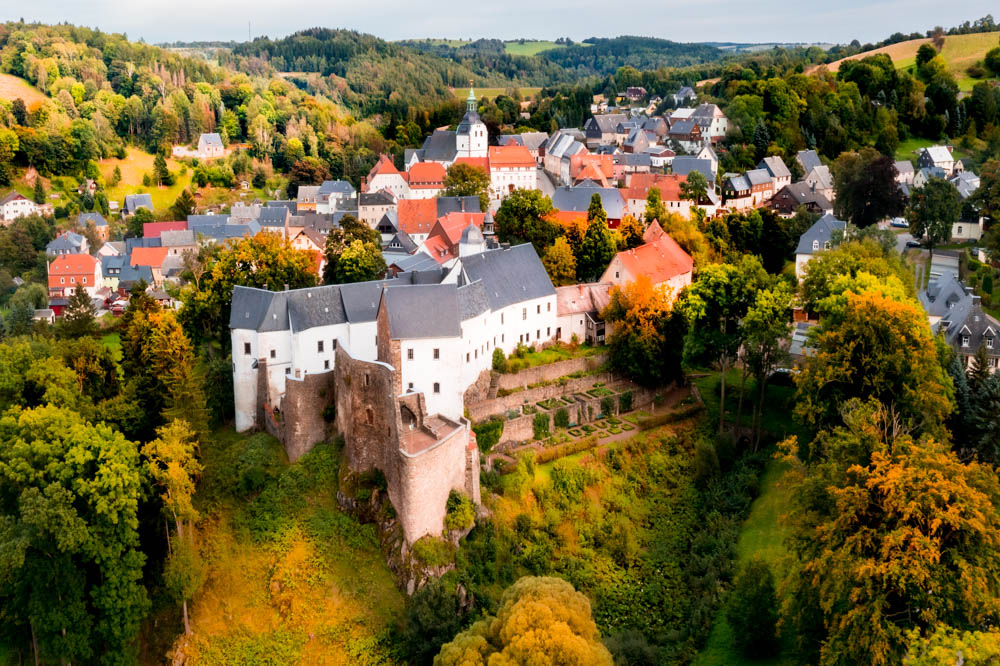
(470, 139)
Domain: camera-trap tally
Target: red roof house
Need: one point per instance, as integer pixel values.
(70, 270)
(663, 261)
(154, 229)
(442, 243)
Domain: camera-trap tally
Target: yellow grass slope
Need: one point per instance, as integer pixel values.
(13, 87)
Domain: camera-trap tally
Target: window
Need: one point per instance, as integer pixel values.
(538, 334)
(548, 332)
(298, 373)
(524, 313)
(826, 245)
(959, 230)
(333, 344)
(466, 357)
(409, 387)
(273, 353)
(616, 275)
(319, 346)
(369, 416)
(437, 387)
(475, 353)
(246, 348)
(409, 354)
(288, 371)
(62, 280)
(989, 343)
(72, 280)
(85, 280)
(965, 341)
(437, 354)
(815, 244)
(538, 309)
(326, 364)
(548, 307)
(368, 379)
(501, 317)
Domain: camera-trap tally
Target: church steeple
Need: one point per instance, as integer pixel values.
(470, 101)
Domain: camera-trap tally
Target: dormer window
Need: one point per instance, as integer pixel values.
(965, 341)
(815, 245)
(989, 343)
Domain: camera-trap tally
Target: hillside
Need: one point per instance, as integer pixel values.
(959, 52)
(14, 87)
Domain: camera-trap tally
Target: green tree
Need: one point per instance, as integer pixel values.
(598, 247)
(466, 180)
(925, 54)
(932, 210)
(365, 262)
(560, 263)
(630, 231)
(992, 60)
(432, 618)
(655, 210)
(523, 217)
(867, 193)
(160, 171)
(38, 195)
(72, 568)
(752, 611)
(9, 144)
(116, 176)
(264, 260)
(540, 620)
(947, 645)
(78, 317)
(136, 220)
(183, 206)
(695, 187)
(360, 262)
(766, 328)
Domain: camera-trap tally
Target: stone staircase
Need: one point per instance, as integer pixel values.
(494, 385)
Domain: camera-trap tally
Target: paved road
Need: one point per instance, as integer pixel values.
(901, 241)
(545, 184)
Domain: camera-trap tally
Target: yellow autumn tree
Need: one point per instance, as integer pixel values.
(541, 621)
(560, 263)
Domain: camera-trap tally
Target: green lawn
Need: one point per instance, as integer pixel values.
(530, 48)
(557, 352)
(490, 93)
(763, 535)
(135, 164)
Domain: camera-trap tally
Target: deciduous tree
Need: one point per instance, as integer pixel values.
(467, 180)
(523, 217)
(866, 187)
(560, 263)
(932, 210)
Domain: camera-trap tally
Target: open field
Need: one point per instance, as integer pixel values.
(530, 48)
(135, 164)
(13, 87)
(490, 93)
(959, 52)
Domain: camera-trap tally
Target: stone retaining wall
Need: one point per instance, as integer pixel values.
(487, 408)
(551, 371)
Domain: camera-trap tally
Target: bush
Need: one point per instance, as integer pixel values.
(488, 433)
(461, 513)
(607, 405)
(499, 360)
(562, 418)
(976, 71)
(540, 425)
(752, 611)
(988, 284)
(563, 450)
(433, 551)
(706, 461)
(625, 402)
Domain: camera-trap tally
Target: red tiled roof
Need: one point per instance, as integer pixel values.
(383, 166)
(654, 232)
(511, 157)
(442, 243)
(590, 172)
(565, 217)
(669, 186)
(416, 216)
(661, 260)
(426, 176)
(148, 256)
(73, 264)
(481, 162)
(154, 229)
(599, 164)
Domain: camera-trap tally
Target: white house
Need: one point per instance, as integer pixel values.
(210, 146)
(16, 205)
(446, 330)
(511, 168)
(385, 176)
(817, 238)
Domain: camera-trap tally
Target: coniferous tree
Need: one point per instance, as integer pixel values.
(598, 246)
(38, 195)
(78, 318)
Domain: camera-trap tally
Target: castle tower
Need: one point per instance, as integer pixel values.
(471, 138)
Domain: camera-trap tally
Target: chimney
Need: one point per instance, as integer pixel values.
(968, 290)
(286, 286)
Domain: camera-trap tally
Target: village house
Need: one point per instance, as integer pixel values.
(666, 264)
(817, 238)
(416, 217)
(775, 167)
(598, 168)
(307, 198)
(334, 195)
(602, 129)
(510, 168)
(385, 176)
(533, 141)
(579, 308)
(455, 235)
(425, 180)
(686, 133)
(761, 186)
(154, 229)
(790, 197)
(68, 242)
(808, 160)
(685, 164)
(154, 258)
(134, 202)
(685, 95)
(904, 171)
(16, 205)
(577, 199)
(820, 180)
(559, 152)
(737, 192)
(69, 270)
(625, 164)
(373, 205)
(940, 157)
(957, 313)
(210, 146)
(100, 224)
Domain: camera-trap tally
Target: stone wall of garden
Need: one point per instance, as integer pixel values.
(551, 371)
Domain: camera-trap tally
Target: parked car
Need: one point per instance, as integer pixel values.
(899, 223)
(913, 243)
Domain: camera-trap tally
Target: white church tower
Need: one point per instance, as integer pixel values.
(471, 139)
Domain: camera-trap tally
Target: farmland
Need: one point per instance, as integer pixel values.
(14, 87)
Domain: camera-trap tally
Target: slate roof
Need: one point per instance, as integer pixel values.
(605, 123)
(414, 262)
(509, 275)
(822, 176)
(736, 184)
(682, 127)
(775, 166)
(68, 241)
(440, 146)
(96, 218)
(273, 216)
(472, 301)
(290, 204)
(961, 314)
(408, 307)
(175, 238)
(802, 193)
(341, 187)
(578, 199)
(809, 159)
(195, 221)
(211, 139)
(904, 166)
(684, 164)
(131, 274)
(939, 154)
(135, 201)
(380, 198)
(821, 231)
(755, 176)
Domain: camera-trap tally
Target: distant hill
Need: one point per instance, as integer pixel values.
(14, 87)
(959, 52)
(602, 56)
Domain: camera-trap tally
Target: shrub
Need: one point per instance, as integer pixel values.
(499, 360)
(752, 610)
(540, 425)
(607, 405)
(488, 433)
(562, 418)
(563, 450)
(461, 513)
(433, 551)
(976, 71)
(988, 284)
(625, 402)
(706, 460)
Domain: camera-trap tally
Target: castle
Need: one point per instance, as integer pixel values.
(389, 363)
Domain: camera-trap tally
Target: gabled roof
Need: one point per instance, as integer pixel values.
(605, 123)
(510, 157)
(154, 229)
(684, 164)
(578, 199)
(497, 270)
(821, 176)
(757, 176)
(13, 196)
(341, 187)
(307, 194)
(96, 218)
(134, 202)
(478, 162)
(409, 307)
(177, 238)
(148, 256)
(427, 175)
(821, 231)
(383, 166)
(67, 240)
(416, 216)
(775, 166)
(660, 260)
(73, 264)
(809, 159)
(669, 186)
(802, 193)
(586, 298)
(380, 198)
(736, 184)
(682, 127)
(440, 146)
(211, 139)
(939, 154)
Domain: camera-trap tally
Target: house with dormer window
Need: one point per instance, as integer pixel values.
(957, 313)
